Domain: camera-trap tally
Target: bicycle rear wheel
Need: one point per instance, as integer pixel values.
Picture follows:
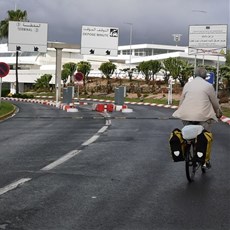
(190, 164)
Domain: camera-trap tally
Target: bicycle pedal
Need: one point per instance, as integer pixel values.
(206, 166)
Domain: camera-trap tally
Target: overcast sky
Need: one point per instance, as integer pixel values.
(154, 21)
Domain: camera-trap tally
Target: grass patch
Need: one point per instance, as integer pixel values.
(5, 108)
(226, 111)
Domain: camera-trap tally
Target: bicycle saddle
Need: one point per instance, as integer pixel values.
(191, 131)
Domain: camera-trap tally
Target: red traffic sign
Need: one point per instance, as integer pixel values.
(78, 76)
(4, 69)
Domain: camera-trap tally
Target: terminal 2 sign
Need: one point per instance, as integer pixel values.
(27, 36)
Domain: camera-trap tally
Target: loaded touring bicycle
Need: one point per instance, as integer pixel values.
(191, 144)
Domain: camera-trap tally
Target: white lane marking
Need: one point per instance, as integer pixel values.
(103, 129)
(74, 152)
(13, 185)
(54, 164)
(61, 160)
(91, 140)
(108, 122)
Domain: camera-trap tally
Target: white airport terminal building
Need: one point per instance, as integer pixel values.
(32, 65)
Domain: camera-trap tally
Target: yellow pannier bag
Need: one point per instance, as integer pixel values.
(204, 145)
(177, 145)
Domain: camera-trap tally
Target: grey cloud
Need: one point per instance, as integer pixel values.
(154, 21)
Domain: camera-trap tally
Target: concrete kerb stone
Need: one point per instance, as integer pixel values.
(72, 110)
(94, 106)
(118, 108)
(61, 105)
(223, 118)
(81, 103)
(127, 110)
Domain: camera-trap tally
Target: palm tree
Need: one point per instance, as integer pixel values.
(13, 15)
(108, 68)
(43, 82)
(71, 67)
(84, 67)
(65, 73)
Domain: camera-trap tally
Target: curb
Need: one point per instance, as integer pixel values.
(44, 102)
(223, 118)
(72, 108)
(8, 114)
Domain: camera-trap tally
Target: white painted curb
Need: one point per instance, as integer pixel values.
(127, 110)
(72, 110)
(118, 107)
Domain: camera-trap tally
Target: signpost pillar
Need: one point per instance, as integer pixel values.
(58, 74)
(217, 75)
(170, 92)
(0, 91)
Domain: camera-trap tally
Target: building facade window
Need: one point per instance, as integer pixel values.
(8, 54)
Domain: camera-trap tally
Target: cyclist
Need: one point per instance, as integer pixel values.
(198, 103)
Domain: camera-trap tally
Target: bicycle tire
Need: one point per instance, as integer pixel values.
(190, 164)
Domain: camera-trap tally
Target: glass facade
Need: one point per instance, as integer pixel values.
(22, 54)
(146, 52)
(26, 54)
(8, 54)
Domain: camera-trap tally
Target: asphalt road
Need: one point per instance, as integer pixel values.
(112, 174)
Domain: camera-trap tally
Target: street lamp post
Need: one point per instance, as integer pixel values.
(202, 12)
(15, 5)
(176, 37)
(130, 42)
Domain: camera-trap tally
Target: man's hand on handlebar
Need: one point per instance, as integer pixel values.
(219, 114)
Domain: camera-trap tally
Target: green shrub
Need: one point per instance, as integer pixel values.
(5, 92)
(24, 96)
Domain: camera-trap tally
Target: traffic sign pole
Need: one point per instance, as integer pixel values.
(217, 76)
(78, 93)
(0, 91)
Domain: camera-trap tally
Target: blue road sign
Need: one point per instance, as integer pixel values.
(210, 78)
